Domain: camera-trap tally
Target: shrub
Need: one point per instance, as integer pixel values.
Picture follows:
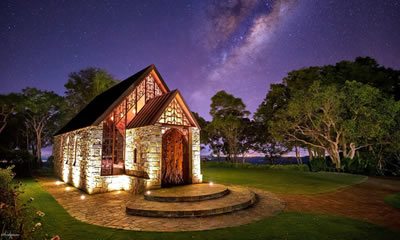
(364, 164)
(17, 217)
(22, 161)
(318, 164)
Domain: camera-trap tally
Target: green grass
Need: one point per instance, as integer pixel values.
(290, 225)
(282, 181)
(393, 200)
(284, 226)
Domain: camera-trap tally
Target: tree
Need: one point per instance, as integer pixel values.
(262, 139)
(7, 103)
(214, 140)
(203, 128)
(229, 115)
(85, 85)
(365, 70)
(43, 112)
(368, 115)
(312, 118)
(333, 120)
(224, 104)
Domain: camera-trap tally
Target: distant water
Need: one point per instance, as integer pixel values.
(263, 160)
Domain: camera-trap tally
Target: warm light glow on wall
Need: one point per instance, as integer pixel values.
(118, 182)
(76, 176)
(65, 172)
(83, 170)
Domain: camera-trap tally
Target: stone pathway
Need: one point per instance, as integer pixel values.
(364, 201)
(108, 209)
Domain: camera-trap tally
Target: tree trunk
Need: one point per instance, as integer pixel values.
(39, 148)
(352, 152)
(310, 153)
(298, 158)
(344, 149)
(334, 154)
(343, 143)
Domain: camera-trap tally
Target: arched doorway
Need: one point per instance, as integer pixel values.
(175, 158)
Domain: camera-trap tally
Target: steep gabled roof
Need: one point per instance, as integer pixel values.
(104, 103)
(152, 110)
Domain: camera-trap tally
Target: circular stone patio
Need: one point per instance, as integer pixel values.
(109, 209)
(195, 200)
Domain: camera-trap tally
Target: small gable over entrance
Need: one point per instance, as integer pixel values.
(168, 109)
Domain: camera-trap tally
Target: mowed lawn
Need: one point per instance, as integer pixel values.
(292, 225)
(282, 181)
(393, 200)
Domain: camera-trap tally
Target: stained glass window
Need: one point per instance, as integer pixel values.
(157, 90)
(149, 87)
(174, 115)
(113, 146)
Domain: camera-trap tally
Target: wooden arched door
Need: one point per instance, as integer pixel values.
(175, 162)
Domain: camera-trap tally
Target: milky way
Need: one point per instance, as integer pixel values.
(199, 47)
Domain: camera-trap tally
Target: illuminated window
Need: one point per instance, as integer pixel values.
(149, 87)
(140, 103)
(114, 126)
(174, 115)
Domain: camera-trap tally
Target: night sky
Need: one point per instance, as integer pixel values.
(200, 47)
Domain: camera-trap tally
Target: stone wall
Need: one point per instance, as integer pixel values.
(197, 177)
(77, 161)
(148, 143)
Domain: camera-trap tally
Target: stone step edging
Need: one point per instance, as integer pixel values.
(193, 213)
(194, 198)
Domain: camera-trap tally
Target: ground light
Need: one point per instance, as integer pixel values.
(59, 182)
(211, 183)
(83, 197)
(67, 188)
(148, 193)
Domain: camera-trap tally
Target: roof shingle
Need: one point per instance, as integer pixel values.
(99, 105)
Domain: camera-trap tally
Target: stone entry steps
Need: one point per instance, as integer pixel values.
(232, 199)
(187, 193)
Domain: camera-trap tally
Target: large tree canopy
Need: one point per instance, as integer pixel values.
(336, 120)
(262, 139)
(7, 104)
(85, 85)
(43, 113)
(337, 109)
(228, 128)
(363, 69)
